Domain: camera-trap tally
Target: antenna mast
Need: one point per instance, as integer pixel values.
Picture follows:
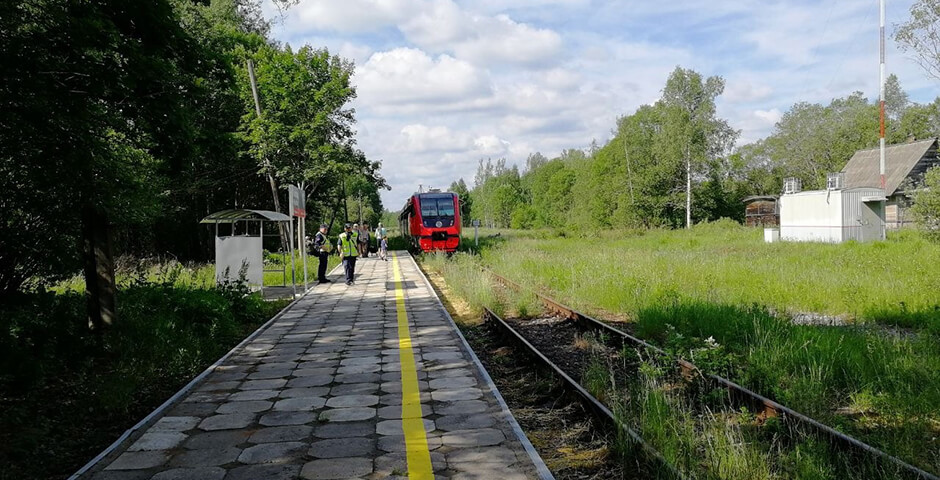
(881, 103)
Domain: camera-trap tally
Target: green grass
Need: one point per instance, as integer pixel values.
(701, 433)
(879, 387)
(720, 281)
(66, 393)
(468, 281)
(889, 282)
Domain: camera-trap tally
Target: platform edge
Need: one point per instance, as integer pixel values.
(540, 467)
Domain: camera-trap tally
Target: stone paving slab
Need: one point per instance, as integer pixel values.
(318, 394)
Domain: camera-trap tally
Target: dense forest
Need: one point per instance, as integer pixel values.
(123, 125)
(677, 153)
(126, 123)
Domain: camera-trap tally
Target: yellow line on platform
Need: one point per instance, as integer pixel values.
(416, 440)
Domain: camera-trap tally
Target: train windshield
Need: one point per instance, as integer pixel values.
(445, 208)
(437, 206)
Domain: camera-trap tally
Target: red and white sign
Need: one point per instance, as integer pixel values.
(298, 201)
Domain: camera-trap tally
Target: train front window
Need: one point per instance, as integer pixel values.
(445, 207)
(428, 208)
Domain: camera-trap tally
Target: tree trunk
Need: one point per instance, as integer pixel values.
(99, 269)
(333, 215)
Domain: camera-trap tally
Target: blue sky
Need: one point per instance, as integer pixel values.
(444, 83)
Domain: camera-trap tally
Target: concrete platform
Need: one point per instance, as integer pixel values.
(366, 381)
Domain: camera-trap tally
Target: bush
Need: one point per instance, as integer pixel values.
(926, 207)
(59, 380)
(523, 217)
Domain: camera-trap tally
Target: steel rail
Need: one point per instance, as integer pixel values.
(599, 409)
(770, 407)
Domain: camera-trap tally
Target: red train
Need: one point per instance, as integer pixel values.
(431, 221)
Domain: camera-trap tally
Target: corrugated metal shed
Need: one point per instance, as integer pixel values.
(833, 215)
(901, 161)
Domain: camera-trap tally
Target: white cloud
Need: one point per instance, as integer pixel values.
(349, 16)
(356, 52)
(410, 76)
(503, 40)
(418, 138)
(562, 79)
(500, 6)
(745, 92)
(442, 24)
(491, 145)
(483, 39)
(768, 117)
(436, 26)
(443, 83)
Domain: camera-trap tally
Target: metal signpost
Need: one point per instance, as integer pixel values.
(298, 208)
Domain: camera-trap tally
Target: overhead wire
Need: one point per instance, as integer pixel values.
(212, 182)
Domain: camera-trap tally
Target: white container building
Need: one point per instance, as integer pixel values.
(833, 216)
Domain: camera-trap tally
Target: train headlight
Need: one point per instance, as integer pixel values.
(439, 224)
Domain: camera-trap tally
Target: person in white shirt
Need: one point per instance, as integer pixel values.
(381, 236)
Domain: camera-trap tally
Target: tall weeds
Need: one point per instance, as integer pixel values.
(464, 276)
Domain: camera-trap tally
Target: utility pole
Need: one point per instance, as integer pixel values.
(359, 201)
(626, 155)
(267, 164)
(345, 202)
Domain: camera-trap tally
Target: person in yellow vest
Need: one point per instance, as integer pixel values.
(348, 242)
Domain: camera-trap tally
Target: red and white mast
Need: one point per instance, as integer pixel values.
(881, 103)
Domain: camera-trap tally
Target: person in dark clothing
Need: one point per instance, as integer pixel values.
(321, 248)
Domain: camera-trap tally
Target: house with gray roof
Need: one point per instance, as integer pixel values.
(905, 165)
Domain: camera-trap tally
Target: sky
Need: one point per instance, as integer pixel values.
(442, 84)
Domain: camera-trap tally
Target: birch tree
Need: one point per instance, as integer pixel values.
(693, 125)
(920, 35)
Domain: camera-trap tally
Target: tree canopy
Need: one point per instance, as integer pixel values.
(675, 161)
(143, 119)
(920, 34)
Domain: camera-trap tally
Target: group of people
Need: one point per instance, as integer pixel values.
(355, 241)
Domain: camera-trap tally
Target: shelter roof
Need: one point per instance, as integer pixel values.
(754, 198)
(237, 215)
(864, 169)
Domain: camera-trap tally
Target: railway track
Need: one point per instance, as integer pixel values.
(595, 405)
(737, 393)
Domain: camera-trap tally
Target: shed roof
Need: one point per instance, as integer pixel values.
(239, 214)
(864, 169)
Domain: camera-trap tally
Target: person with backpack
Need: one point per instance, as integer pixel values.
(321, 248)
